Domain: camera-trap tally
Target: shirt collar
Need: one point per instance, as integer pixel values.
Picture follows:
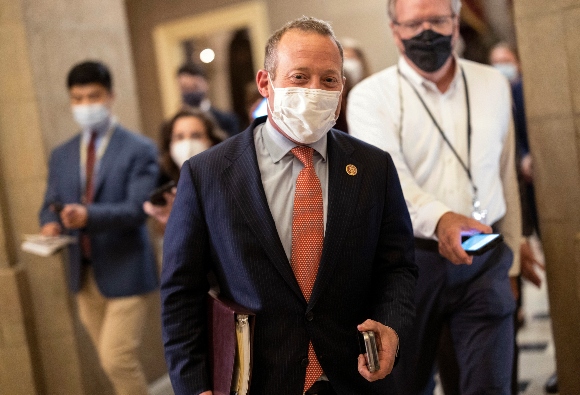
(101, 129)
(419, 81)
(279, 145)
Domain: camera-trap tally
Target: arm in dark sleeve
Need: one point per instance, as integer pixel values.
(51, 196)
(395, 269)
(142, 180)
(184, 290)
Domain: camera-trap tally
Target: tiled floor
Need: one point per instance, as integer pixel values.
(537, 361)
(535, 340)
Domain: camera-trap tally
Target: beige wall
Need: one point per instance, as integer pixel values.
(62, 33)
(25, 350)
(42, 347)
(17, 369)
(548, 39)
(368, 25)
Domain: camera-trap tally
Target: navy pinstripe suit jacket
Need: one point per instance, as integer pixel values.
(221, 222)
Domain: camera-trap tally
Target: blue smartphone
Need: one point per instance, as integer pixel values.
(480, 243)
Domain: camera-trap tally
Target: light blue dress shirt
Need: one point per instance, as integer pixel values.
(279, 170)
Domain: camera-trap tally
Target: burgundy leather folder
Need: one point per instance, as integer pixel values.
(222, 318)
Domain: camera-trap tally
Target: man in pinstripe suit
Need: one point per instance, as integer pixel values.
(233, 216)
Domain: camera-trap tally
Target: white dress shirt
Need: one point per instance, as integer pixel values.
(384, 110)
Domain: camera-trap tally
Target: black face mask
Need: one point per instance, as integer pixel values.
(193, 99)
(428, 50)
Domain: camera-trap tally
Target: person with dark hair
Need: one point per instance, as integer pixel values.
(97, 183)
(187, 133)
(194, 87)
(300, 223)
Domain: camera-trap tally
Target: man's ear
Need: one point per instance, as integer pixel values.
(262, 83)
(397, 38)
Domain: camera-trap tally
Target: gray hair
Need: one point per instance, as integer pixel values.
(305, 24)
(455, 8)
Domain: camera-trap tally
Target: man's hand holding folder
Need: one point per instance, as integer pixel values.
(230, 330)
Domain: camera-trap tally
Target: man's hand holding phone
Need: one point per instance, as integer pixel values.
(160, 204)
(450, 228)
(387, 342)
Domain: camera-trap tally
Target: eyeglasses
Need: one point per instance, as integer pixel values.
(441, 24)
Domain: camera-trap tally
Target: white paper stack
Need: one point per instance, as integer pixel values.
(45, 245)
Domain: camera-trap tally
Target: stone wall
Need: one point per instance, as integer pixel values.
(548, 40)
(43, 349)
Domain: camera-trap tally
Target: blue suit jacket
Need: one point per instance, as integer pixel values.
(121, 254)
(221, 221)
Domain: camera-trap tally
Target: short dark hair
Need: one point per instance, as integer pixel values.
(90, 72)
(192, 69)
(306, 24)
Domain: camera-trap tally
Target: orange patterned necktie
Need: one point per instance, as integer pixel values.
(307, 239)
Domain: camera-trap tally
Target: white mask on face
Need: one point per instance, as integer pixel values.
(89, 116)
(353, 69)
(304, 114)
(182, 150)
(509, 70)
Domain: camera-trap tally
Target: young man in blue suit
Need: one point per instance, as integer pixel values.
(235, 214)
(97, 183)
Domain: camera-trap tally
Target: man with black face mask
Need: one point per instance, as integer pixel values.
(194, 86)
(447, 123)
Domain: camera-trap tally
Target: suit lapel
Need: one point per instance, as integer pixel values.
(74, 166)
(343, 191)
(245, 184)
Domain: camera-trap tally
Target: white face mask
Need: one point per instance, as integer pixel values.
(509, 70)
(353, 69)
(304, 114)
(182, 150)
(89, 116)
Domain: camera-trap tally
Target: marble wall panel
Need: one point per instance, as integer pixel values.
(544, 66)
(556, 175)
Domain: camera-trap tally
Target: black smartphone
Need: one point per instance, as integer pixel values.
(368, 347)
(156, 198)
(480, 243)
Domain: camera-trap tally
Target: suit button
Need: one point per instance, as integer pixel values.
(304, 362)
(309, 316)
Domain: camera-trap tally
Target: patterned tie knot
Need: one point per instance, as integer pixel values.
(304, 154)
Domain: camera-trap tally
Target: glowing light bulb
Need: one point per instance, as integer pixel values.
(207, 55)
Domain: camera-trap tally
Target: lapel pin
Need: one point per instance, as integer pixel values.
(351, 170)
